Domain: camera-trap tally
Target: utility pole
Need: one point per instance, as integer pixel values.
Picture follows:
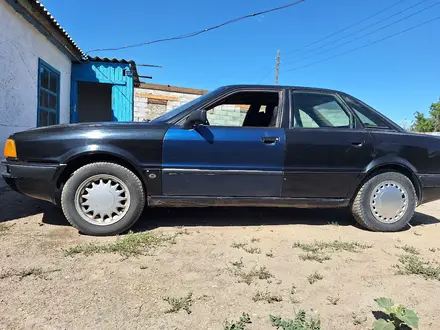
(277, 66)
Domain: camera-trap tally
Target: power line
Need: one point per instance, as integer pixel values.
(357, 31)
(345, 29)
(193, 34)
(265, 76)
(366, 34)
(363, 46)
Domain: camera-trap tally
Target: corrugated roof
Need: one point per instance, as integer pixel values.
(115, 60)
(38, 5)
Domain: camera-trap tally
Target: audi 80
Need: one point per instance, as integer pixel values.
(240, 145)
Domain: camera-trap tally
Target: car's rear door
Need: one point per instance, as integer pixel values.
(223, 159)
(326, 149)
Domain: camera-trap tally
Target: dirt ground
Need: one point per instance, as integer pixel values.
(43, 288)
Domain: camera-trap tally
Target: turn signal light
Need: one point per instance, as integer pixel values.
(10, 150)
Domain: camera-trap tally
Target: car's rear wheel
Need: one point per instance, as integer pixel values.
(103, 199)
(385, 202)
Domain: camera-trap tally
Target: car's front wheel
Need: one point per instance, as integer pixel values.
(102, 199)
(385, 202)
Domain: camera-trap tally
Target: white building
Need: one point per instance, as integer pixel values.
(46, 79)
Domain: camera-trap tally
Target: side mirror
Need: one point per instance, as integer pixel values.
(197, 117)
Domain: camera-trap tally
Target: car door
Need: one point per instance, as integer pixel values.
(326, 150)
(226, 158)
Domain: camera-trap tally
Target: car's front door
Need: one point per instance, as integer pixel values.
(325, 152)
(236, 154)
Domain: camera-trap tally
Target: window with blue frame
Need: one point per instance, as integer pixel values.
(48, 95)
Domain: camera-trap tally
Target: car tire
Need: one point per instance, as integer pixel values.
(112, 192)
(377, 205)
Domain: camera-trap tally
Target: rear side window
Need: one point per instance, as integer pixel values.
(315, 110)
(366, 116)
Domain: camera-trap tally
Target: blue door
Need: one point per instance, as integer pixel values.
(223, 161)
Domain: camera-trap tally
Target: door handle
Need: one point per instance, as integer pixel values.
(270, 139)
(357, 143)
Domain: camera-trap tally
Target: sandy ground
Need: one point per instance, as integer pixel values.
(108, 291)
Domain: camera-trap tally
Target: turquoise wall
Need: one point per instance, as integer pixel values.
(105, 73)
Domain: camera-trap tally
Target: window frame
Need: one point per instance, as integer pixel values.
(51, 69)
(353, 120)
(282, 106)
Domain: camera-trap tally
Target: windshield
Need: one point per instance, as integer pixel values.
(173, 113)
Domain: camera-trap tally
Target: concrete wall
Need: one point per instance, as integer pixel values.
(151, 103)
(21, 45)
(149, 108)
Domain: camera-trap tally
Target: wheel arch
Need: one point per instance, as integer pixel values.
(397, 165)
(87, 157)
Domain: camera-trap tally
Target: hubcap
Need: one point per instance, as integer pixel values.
(102, 199)
(388, 201)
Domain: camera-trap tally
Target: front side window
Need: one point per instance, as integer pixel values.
(48, 95)
(366, 116)
(315, 110)
(245, 109)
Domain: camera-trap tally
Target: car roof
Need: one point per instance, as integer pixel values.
(278, 87)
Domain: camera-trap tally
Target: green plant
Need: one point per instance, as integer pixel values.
(336, 245)
(300, 322)
(312, 278)
(316, 256)
(412, 265)
(238, 245)
(237, 264)
(21, 274)
(240, 324)
(254, 240)
(132, 244)
(408, 249)
(397, 316)
(262, 274)
(179, 303)
(266, 296)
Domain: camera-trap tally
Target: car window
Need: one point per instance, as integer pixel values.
(315, 110)
(245, 109)
(366, 116)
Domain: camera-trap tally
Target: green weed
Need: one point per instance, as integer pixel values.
(408, 249)
(300, 322)
(412, 265)
(267, 297)
(131, 244)
(241, 324)
(314, 256)
(312, 278)
(180, 303)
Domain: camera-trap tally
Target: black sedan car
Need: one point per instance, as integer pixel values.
(241, 145)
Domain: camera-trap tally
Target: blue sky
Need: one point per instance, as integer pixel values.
(398, 76)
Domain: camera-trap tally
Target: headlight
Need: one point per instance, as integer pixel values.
(10, 150)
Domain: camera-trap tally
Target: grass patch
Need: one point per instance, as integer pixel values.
(267, 297)
(318, 251)
(408, 249)
(335, 246)
(315, 277)
(300, 322)
(315, 256)
(245, 247)
(411, 264)
(254, 240)
(261, 273)
(131, 244)
(4, 229)
(238, 264)
(241, 324)
(177, 304)
(21, 274)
